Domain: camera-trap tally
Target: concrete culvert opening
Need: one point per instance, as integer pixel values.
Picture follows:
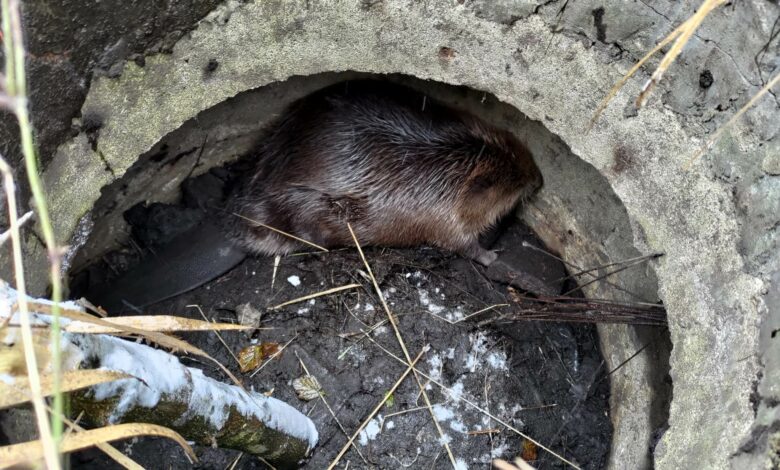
(596, 396)
(610, 194)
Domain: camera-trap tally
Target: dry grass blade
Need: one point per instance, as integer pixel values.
(470, 315)
(519, 464)
(21, 454)
(615, 89)
(503, 465)
(332, 413)
(681, 35)
(273, 356)
(16, 89)
(315, 295)
(22, 220)
(108, 449)
(289, 235)
(377, 408)
(689, 27)
(159, 338)
(714, 138)
(158, 323)
(277, 260)
(219, 336)
(402, 343)
(18, 392)
(48, 442)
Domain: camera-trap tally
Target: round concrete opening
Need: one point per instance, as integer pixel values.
(576, 213)
(623, 194)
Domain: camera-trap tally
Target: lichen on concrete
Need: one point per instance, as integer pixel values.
(715, 301)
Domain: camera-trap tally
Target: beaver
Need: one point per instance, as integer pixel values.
(398, 167)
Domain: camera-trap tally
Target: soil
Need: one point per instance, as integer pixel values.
(546, 380)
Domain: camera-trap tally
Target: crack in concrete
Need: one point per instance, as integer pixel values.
(106, 164)
(773, 34)
(705, 40)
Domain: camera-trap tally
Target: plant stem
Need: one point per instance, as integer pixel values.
(49, 446)
(16, 88)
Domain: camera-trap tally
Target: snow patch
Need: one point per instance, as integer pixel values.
(479, 346)
(460, 464)
(497, 360)
(369, 433)
(434, 360)
(157, 373)
(499, 451)
(426, 302)
(455, 392)
(442, 413)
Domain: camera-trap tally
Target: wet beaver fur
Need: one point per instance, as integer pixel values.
(400, 168)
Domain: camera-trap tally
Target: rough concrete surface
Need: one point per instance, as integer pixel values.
(718, 225)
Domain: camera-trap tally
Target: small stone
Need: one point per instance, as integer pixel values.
(771, 164)
(248, 315)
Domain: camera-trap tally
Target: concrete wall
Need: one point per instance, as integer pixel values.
(551, 63)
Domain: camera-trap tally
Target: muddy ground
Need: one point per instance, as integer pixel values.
(546, 380)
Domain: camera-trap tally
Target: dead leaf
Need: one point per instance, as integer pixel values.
(307, 387)
(530, 452)
(252, 356)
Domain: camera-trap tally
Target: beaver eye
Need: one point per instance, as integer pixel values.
(482, 182)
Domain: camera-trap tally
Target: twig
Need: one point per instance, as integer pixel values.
(402, 344)
(370, 330)
(47, 440)
(617, 367)
(403, 412)
(608, 265)
(219, 336)
(490, 307)
(410, 367)
(574, 266)
(235, 462)
(315, 295)
(573, 309)
(260, 224)
(638, 261)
